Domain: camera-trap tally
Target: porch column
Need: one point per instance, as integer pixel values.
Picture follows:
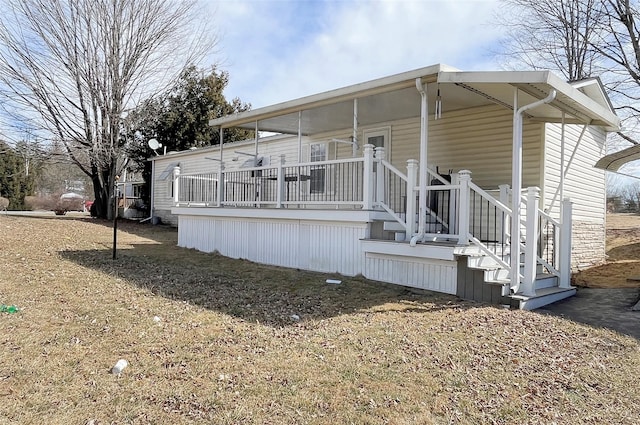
(410, 219)
(531, 244)
(280, 190)
(504, 198)
(367, 181)
(299, 137)
(516, 185)
(565, 245)
(354, 146)
(380, 175)
(220, 194)
(255, 158)
(221, 144)
(176, 184)
(424, 135)
(464, 177)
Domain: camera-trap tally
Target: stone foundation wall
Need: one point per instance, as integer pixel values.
(587, 245)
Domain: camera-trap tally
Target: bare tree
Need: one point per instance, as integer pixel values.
(76, 66)
(552, 34)
(581, 39)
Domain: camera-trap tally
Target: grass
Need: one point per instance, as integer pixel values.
(212, 340)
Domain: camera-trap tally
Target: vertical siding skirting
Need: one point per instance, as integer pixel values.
(423, 273)
(308, 245)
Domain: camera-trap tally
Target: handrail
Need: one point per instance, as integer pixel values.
(490, 198)
(393, 169)
(549, 218)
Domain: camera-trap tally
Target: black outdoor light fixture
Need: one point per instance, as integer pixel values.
(115, 215)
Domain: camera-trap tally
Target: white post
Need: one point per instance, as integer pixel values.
(280, 182)
(412, 177)
(176, 184)
(424, 139)
(531, 244)
(380, 176)
(464, 177)
(565, 245)
(516, 186)
(367, 184)
(220, 193)
(453, 213)
(354, 146)
(504, 199)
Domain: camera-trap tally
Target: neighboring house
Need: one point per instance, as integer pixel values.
(409, 179)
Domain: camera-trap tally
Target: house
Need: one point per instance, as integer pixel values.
(423, 179)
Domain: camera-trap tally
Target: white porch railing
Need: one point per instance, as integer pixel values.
(455, 208)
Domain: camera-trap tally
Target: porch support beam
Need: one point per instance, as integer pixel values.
(516, 183)
(299, 136)
(255, 158)
(221, 143)
(354, 146)
(424, 134)
(565, 245)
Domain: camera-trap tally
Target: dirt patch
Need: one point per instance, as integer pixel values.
(622, 268)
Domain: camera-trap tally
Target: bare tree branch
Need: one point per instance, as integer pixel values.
(75, 66)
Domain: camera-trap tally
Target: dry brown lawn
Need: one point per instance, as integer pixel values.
(226, 350)
(622, 268)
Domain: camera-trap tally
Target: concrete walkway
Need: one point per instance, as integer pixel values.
(606, 308)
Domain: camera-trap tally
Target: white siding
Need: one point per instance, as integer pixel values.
(192, 162)
(309, 245)
(584, 185)
(476, 139)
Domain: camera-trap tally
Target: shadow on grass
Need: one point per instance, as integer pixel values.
(253, 292)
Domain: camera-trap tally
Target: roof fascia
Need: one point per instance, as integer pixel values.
(381, 85)
(520, 78)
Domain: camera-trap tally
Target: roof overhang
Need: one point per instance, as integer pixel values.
(584, 103)
(614, 161)
(396, 97)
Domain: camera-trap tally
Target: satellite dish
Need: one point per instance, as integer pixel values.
(153, 144)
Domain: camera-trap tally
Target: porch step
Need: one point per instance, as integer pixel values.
(543, 297)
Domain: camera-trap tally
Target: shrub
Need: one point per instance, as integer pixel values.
(4, 204)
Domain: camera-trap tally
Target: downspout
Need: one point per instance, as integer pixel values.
(422, 196)
(516, 183)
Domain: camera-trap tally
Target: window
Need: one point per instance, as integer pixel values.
(379, 137)
(317, 173)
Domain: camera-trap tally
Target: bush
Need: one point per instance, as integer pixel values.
(4, 204)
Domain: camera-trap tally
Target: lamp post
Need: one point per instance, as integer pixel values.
(115, 215)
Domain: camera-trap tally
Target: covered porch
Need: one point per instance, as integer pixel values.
(377, 196)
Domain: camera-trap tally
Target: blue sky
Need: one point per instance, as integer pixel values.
(278, 50)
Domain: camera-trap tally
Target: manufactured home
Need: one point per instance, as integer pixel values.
(480, 184)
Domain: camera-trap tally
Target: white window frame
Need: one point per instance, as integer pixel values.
(328, 146)
(377, 132)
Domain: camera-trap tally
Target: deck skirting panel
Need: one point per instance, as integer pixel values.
(304, 244)
(423, 273)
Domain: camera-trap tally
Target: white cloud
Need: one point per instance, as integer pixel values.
(280, 50)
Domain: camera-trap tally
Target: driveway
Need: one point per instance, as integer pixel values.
(607, 308)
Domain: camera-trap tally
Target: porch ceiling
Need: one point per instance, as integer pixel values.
(396, 97)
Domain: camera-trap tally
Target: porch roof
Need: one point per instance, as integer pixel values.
(396, 97)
